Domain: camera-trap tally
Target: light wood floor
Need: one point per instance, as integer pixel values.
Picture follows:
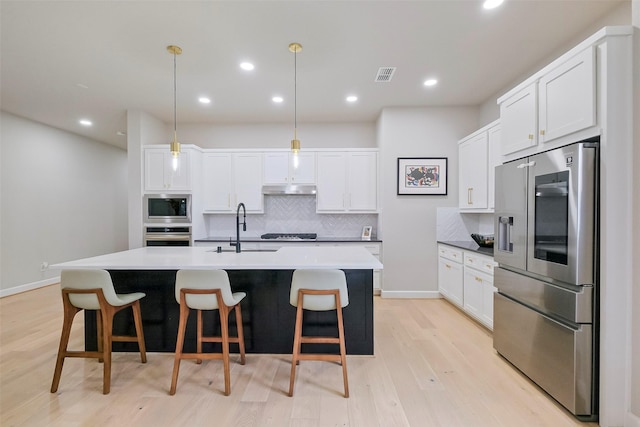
(433, 367)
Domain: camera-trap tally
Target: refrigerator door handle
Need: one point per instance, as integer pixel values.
(526, 165)
(505, 241)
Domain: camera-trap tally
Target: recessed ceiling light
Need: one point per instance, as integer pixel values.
(277, 99)
(121, 133)
(248, 66)
(82, 86)
(204, 100)
(85, 122)
(492, 4)
(430, 82)
(352, 98)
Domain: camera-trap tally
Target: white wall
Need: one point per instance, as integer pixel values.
(142, 129)
(278, 135)
(408, 223)
(63, 198)
(634, 350)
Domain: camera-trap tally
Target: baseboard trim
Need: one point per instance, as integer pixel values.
(410, 294)
(28, 287)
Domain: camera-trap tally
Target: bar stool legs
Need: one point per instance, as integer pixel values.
(300, 339)
(104, 317)
(224, 338)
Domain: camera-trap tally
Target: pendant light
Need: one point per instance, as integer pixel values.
(295, 142)
(175, 145)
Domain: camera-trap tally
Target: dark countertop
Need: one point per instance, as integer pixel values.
(259, 240)
(469, 246)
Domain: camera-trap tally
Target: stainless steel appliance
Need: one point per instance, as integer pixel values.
(167, 236)
(289, 236)
(546, 307)
(167, 208)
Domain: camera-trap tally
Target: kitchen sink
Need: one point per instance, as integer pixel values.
(244, 250)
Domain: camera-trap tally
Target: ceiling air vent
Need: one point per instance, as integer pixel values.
(385, 74)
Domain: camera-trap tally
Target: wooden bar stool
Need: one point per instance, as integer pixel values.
(318, 290)
(207, 290)
(93, 290)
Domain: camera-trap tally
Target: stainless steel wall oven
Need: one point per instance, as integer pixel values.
(167, 236)
(546, 307)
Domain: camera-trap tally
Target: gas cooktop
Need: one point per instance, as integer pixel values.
(289, 236)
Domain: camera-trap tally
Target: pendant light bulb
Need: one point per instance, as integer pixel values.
(295, 142)
(175, 145)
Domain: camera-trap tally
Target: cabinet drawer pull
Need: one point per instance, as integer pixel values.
(447, 265)
(478, 279)
(469, 197)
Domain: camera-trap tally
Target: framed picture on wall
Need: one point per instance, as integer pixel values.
(424, 176)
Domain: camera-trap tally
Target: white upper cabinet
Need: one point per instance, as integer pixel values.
(568, 97)
(558, 102)
(362, 178)
(159, 175)
(230, 179)
(218, 186)
(279, 168)
(473, 177)
(478, 155)
(347, 182)
(519, 120)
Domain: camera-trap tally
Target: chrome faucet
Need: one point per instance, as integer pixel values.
(244, 226)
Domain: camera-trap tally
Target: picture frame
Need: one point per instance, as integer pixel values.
(424, 176)
(366, 232)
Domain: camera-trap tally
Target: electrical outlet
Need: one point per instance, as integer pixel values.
(44, 265)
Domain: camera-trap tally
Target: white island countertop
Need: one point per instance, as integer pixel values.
(200, 258)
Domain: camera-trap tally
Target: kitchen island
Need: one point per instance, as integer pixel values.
(265, 276)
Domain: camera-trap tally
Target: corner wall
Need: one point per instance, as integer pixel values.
(633, 411)
(63, 198)
(408, 223)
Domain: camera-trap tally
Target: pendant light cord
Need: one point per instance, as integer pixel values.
(295, 94)
(175, 100)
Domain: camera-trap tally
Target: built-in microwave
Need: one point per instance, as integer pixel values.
(167, 208)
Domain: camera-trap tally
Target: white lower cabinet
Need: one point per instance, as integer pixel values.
(465, 278)
(450, 274)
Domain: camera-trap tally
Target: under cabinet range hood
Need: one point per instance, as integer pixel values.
(289, 189)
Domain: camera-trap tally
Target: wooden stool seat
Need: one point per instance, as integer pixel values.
(318, 290)
(93, 290)
(207, 290)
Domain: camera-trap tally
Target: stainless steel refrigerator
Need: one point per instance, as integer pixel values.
(546, 240)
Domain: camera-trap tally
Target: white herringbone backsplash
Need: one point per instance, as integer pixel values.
(294, 214)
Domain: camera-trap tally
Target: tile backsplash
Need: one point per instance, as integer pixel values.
(451, 225)
(293, 214)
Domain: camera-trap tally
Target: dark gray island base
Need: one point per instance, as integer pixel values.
(267, 316)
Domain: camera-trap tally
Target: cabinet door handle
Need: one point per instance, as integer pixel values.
(447, 265)
(478, 279)
(530, 136)
(542, 132)
(228, 200)
(469, 196)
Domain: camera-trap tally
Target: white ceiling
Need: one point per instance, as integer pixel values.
(66, 60)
